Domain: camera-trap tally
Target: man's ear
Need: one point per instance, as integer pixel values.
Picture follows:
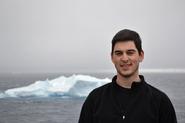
(141, 56)
(112, 57)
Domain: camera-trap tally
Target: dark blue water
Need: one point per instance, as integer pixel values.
(58, 110)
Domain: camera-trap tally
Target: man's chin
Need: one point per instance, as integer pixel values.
(126, 74)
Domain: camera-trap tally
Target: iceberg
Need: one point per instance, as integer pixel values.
(73, 86)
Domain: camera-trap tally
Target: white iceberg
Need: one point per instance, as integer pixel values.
(73, 86)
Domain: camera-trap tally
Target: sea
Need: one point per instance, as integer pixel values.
(57, 109)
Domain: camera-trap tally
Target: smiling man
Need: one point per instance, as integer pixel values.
(128, 98)
(126, 59)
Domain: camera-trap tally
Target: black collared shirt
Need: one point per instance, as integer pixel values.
(142, 103)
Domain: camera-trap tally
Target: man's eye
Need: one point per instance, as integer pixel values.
(130, 53)
(118, 53)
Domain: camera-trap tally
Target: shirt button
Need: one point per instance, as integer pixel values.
(123, 117)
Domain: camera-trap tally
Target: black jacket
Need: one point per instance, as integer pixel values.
(142, 103)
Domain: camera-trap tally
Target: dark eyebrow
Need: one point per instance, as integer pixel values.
(131, 50)
(117, 51)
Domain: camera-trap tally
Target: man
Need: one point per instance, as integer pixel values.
(128, 98)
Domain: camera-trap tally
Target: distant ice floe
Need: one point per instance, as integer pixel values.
(73, 86)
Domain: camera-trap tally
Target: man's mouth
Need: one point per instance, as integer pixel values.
(125, 66)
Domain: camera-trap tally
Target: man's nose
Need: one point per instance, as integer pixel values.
(124, 57)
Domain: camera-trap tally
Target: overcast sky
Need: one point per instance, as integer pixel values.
(75, 35)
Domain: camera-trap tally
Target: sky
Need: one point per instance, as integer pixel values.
(75, 35)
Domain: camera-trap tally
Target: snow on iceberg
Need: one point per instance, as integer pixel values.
(73, 86)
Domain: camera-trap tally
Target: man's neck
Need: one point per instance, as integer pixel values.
(126, 82)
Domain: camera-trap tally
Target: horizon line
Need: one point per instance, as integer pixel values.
(165, 70)
(145, 70)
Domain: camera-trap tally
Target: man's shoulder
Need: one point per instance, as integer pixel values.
(163, 102)
(156, 92)
(102, 89)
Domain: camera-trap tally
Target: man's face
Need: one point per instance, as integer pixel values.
(126, 58)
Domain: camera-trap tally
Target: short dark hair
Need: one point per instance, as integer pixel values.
(127, 35)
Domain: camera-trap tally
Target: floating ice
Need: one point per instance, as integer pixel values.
(73, 86)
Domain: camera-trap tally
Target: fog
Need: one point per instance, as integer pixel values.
(75, 35)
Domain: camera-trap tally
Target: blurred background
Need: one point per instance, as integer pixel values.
(39, 36)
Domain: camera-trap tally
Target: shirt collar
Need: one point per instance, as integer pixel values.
(135, 85)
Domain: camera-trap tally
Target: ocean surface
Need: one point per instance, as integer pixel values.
(56, 109)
